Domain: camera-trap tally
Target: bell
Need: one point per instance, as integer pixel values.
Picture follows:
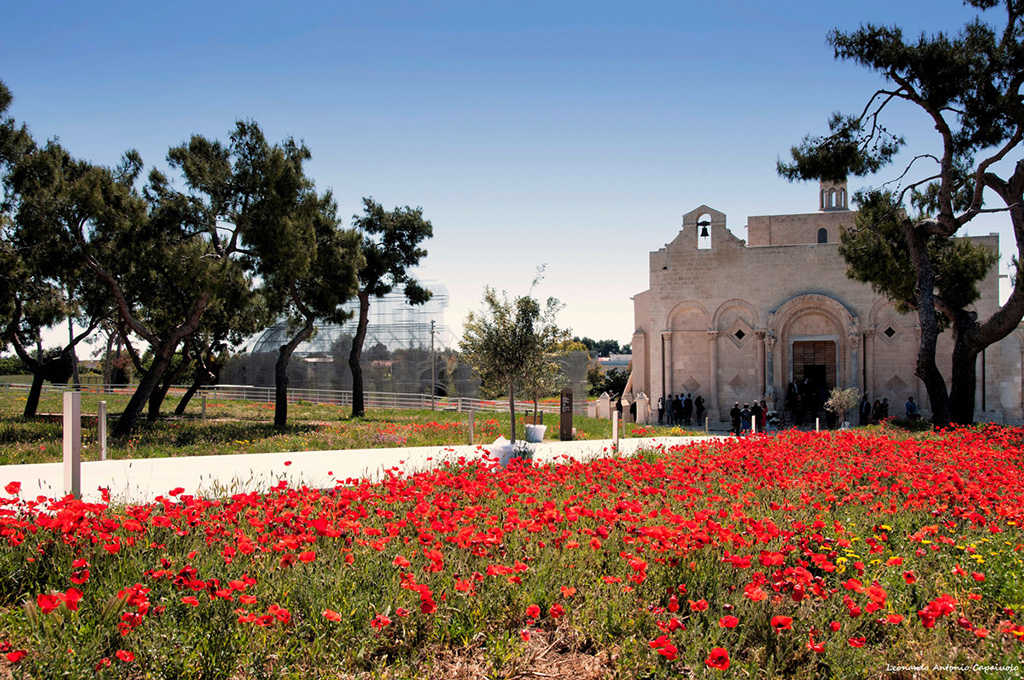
(704, 231)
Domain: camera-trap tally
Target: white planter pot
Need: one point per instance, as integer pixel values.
(535, 433)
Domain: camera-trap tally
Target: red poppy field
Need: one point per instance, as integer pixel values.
(802, 555)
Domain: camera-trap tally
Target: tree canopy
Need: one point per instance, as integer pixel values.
(969, 87)
(186, 268)
(391, 249)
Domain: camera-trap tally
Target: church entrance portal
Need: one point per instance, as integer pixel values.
(815, 360)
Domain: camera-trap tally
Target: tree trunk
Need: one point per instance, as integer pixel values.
(161, 360)
(356, 355)
(926, 369)
(107, 360)
(76, 380)
(56, 370)
(32, 403)
(284, 355)
(156, 399)
(204, 376)
(512, 409)
(963, 384)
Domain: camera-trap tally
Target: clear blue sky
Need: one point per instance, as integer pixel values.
(571, 134)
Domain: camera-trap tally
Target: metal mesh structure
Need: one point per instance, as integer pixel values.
(393, 323)
(396, 352)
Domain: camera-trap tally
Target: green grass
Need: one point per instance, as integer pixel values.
(247, 427)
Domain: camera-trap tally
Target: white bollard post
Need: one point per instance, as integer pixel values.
(470, 427)
(707, 425)
(204, 407)
(753, 425)
(817, 424)
(615, 431)
(73, 443)
(101, 429)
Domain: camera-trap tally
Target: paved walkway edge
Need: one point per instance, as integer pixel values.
(143, 479)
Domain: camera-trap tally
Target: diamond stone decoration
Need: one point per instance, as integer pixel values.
(740, 334)
(691, 385)
(737, 384)
(896, 384)
(889, 332)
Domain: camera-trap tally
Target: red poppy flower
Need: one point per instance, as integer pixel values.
(728, 622)
(781, 623)
(718, 658)
(533, 611)
(47, 603)
(857, 642)
(754, 592)
(12, 488)
(331, 615)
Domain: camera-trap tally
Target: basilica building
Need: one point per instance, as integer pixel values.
(737, 321)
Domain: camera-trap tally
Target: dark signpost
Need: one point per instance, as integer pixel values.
(565, 409)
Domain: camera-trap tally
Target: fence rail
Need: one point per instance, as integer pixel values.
(393, 400)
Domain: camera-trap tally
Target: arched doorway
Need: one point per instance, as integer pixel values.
(816, 341)
(814, 364)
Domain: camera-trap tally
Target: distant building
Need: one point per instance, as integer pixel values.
(739, 321)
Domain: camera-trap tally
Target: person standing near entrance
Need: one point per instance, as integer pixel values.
(698, 404)
(735, 414)
(661, 410)
(865, 410)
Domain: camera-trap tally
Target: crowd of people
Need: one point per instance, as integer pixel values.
(804, 400)
(680, 410)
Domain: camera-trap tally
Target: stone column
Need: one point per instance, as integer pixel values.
(852, 341)
(769, 369)
(666, 361)
(759, 366)
(869, 362)
(713, 351)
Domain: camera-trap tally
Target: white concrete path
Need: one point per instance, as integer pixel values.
(141, 480)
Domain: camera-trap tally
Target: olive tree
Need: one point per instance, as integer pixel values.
(508, 340)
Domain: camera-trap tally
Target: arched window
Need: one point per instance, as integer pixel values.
(823, 235)
(842, 198)
(831, 198)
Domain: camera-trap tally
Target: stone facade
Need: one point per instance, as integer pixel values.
(738, 321)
